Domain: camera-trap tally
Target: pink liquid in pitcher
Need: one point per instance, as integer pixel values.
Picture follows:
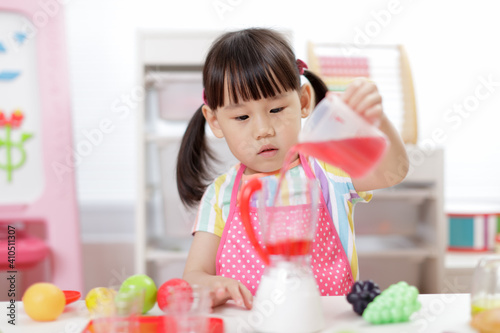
(290, 248)
(356, 156)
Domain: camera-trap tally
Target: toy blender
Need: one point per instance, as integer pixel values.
(283, 216)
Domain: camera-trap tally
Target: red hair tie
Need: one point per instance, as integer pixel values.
(301, 66)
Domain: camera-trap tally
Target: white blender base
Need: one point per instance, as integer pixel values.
(287, 303)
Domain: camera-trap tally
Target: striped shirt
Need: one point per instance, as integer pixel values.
(338, 191)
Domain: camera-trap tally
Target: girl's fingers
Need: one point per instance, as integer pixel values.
(247, 296)
(364, 98)
(360, 94)
(368, 102)
(234, 290)
(351, 89)
(219, 294)
(357, 91)
(374, 114)
(212, 298)
(235, 294)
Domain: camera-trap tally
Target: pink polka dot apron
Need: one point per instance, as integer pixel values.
(237, 258)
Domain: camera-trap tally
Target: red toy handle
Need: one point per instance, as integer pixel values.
(246, 194)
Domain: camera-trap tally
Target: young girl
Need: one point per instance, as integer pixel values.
(254, 99)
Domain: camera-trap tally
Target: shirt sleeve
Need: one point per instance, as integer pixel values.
(215, 204)
(362, 196)
(209, 217)
(339, 176)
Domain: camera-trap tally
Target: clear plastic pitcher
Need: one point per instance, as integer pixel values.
(337, 135)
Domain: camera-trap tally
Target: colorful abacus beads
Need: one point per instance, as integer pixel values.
(362, 293)
(395, 304)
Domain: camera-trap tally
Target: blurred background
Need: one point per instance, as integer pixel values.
(452, 51)
(450, 46)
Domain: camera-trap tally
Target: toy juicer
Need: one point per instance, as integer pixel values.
(287, 299)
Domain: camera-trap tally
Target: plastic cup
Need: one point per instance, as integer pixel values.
(485, 293)
(119, 313)
(337, 135)
(188, 310)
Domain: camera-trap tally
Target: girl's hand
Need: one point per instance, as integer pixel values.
(224, 289)
(363, 97)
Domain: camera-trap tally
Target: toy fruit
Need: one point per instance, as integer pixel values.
(487, 321)
(362, 293)
(100, 300)
(142, 281)
(44, 301)
(395, 304)
(179, 287)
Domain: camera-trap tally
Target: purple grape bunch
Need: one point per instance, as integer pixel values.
(361, 294)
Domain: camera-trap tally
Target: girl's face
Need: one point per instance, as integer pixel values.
(259, 133)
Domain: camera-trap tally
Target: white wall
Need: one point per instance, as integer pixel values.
(452, 47)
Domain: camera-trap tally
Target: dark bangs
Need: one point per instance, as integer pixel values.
(253, 63)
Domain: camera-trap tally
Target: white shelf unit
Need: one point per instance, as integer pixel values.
(401, 234)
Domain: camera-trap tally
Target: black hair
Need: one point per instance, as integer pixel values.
(252, 64)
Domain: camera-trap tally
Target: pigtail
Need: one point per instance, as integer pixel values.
(320, 88)
(193, 161)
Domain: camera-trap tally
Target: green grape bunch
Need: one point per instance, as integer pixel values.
(394, 305)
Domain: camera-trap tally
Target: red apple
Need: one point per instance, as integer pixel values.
(176, 291)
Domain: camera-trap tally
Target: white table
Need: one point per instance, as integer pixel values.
(440, 313)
